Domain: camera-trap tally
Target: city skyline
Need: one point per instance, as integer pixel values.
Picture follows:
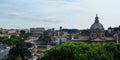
(77, 14)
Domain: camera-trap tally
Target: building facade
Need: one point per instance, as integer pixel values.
(37, 32)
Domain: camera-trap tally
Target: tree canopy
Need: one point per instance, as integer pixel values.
(83, 51)
(11, 41)
(20, 51)
(71, 30)
(85, 32)
(23, 52)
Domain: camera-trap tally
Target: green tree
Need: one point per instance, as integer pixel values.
(71, 30)
(23, 52)
(47, 39)
(11, 57)
(22, 32)
(12, 41)
(25, 35)
(83, 51)
(85, 32)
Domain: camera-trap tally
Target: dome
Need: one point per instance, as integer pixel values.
(97, 25)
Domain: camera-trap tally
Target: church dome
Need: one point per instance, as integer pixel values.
(97, 25)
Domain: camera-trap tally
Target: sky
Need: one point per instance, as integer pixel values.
(78, 14)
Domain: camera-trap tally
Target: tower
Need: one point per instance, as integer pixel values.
(60, 28)
(61, 33)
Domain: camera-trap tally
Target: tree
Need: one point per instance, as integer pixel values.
(47, 39)
(11, 57)
(20, 51)
(71, 30)
(83, 51)
(25, 35)
(28, 45)
(22, 32)
(12, 41)
(107, 34)
(24, 44)
(23, 52)
(85, 32)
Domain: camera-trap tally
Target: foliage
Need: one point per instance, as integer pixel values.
(14, 39)
(83, 51)
(71, 30)
(22, 32)
(24, 44)
(85, 32)
(11, 41)
(23, 52)
(47, 38)
(28, 45)
(11, 57)
(25, 35)
(107, 34)
(20, 50)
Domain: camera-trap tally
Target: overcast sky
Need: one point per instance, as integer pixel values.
(78, 14)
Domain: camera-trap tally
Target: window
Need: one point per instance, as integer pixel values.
(102, 35)
(97, 35)
(92, 35)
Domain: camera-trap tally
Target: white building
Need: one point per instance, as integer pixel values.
(59, 36)
(11, 31)
(59, 40)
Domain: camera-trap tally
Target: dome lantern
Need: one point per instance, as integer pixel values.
(97, 19)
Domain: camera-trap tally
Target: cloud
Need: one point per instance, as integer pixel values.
(14, 14)
(18, 15)
(51, 20)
